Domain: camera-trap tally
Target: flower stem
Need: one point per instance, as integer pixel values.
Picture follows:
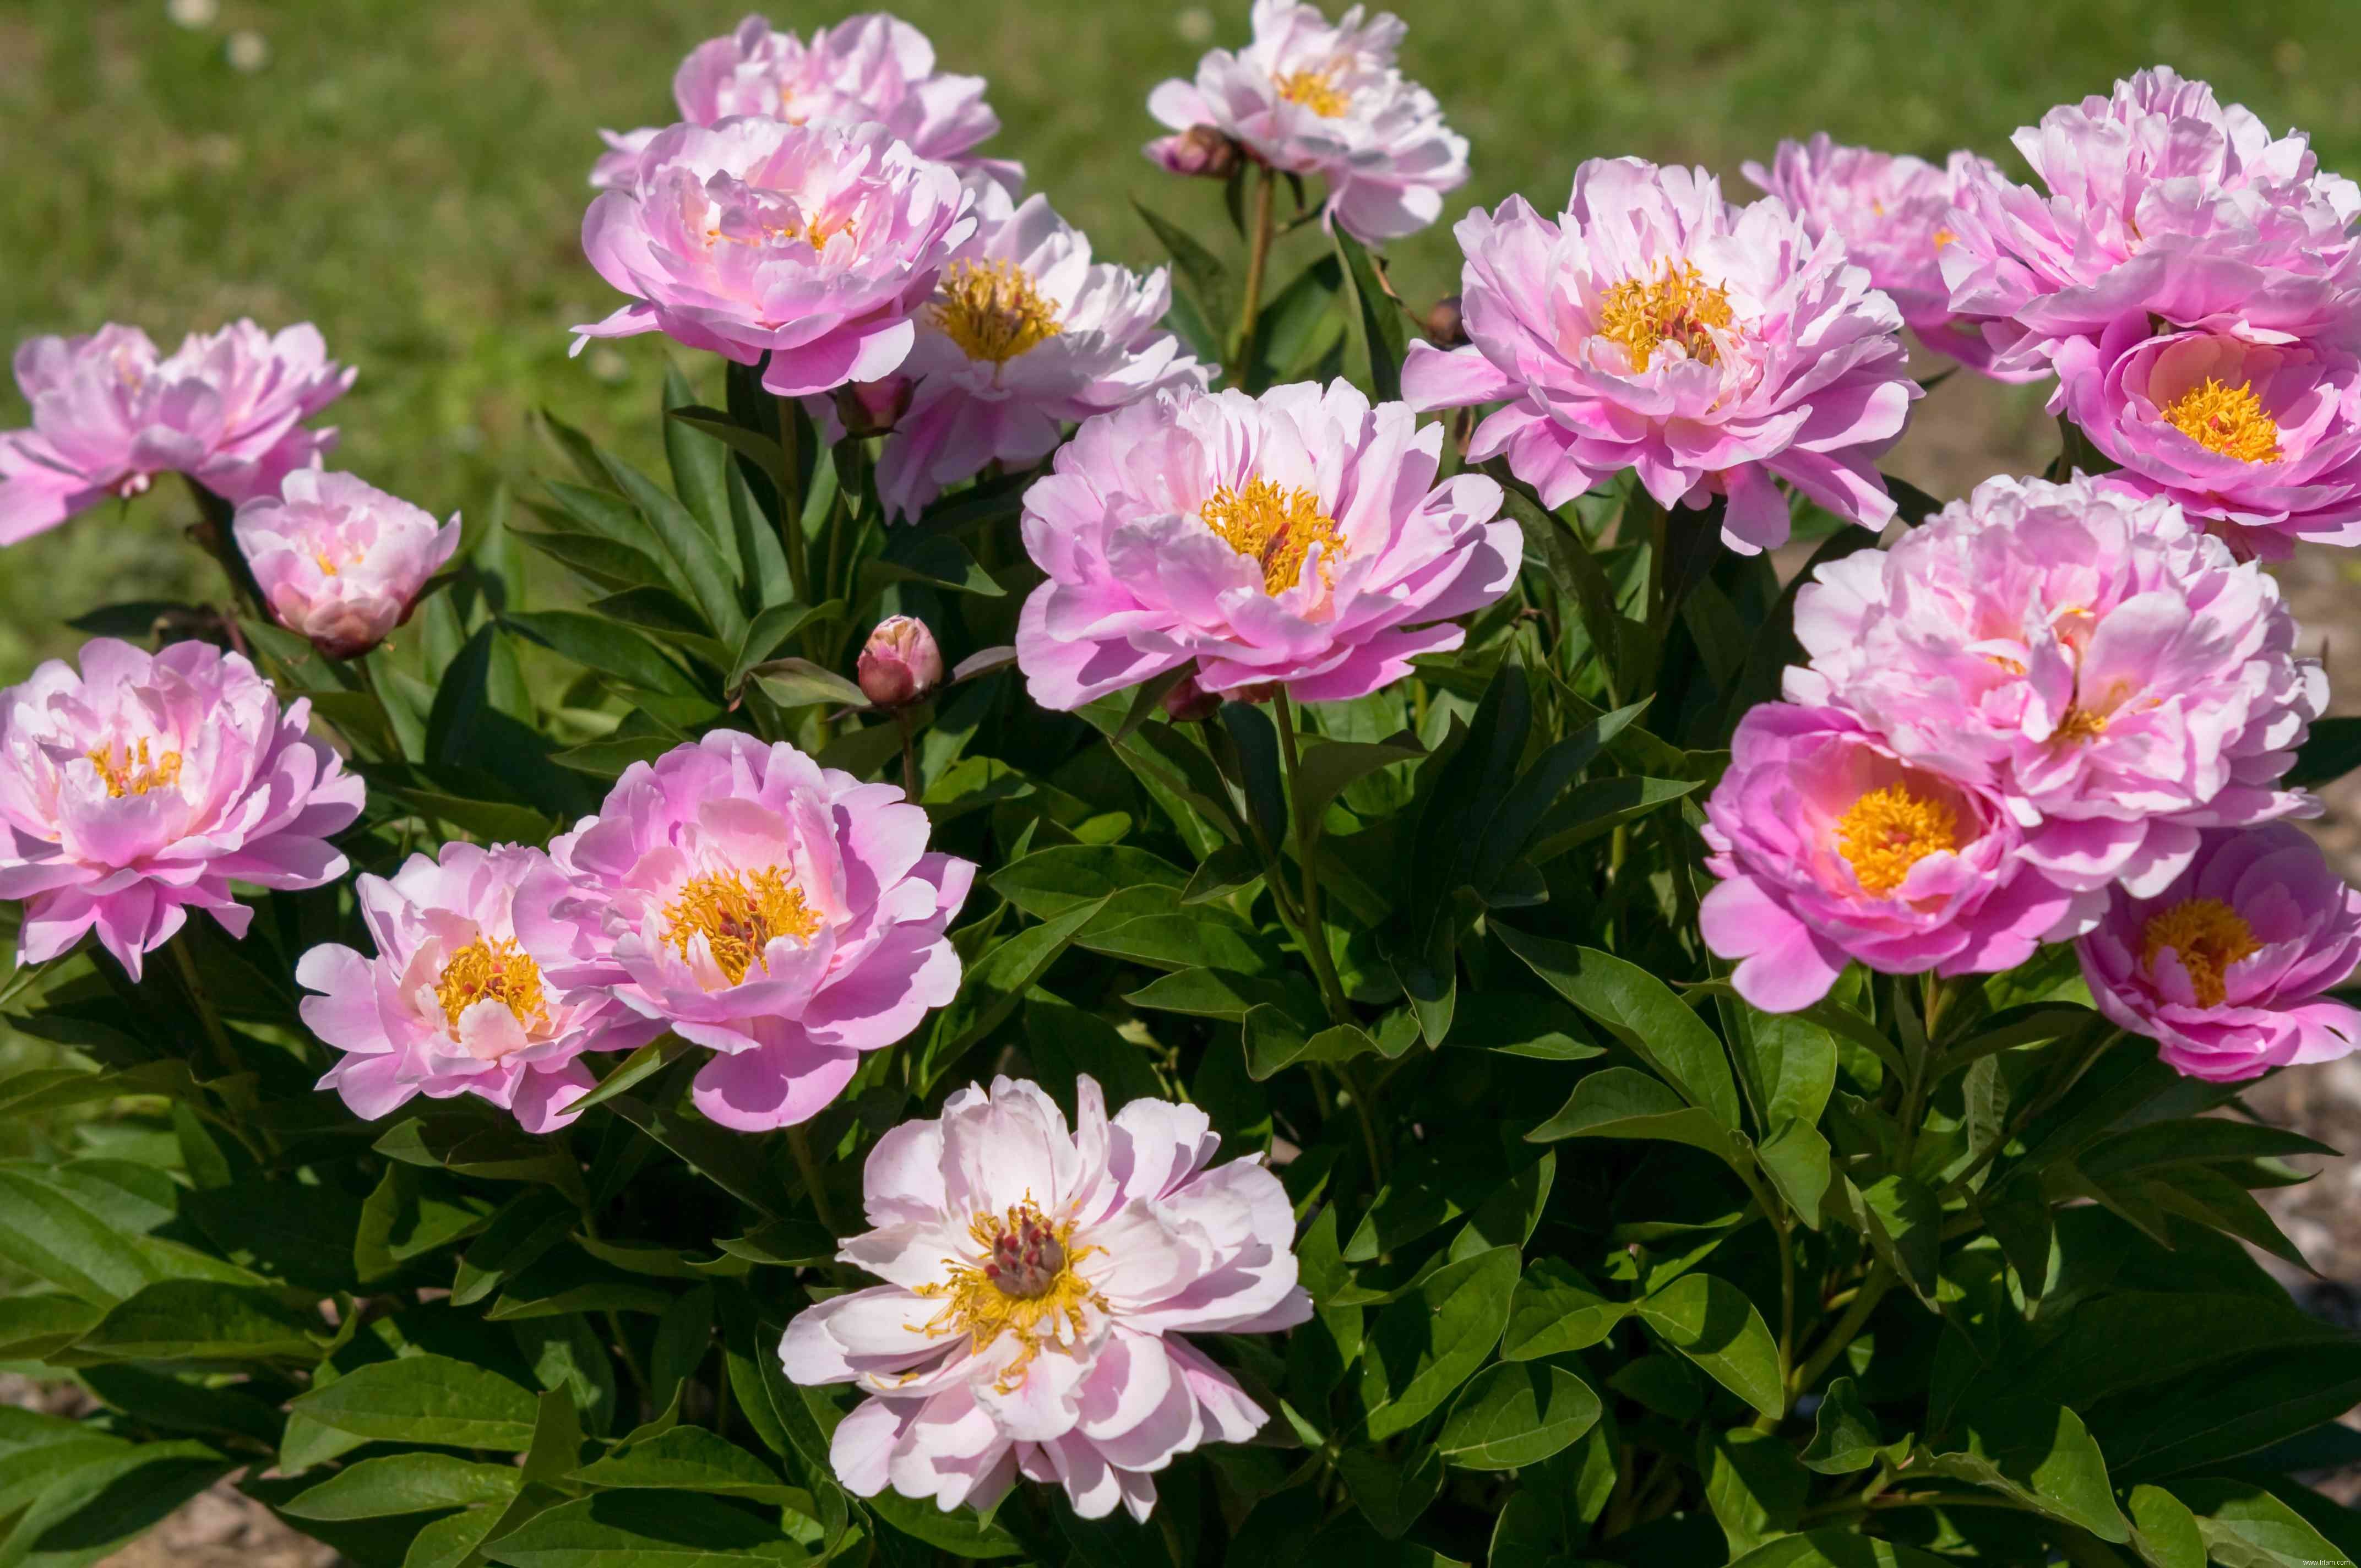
(1881, 1279)
(1307, 844)
(910, 756)
(224, 1054)
(809, 1166)
(791, 504)
(1258, 256)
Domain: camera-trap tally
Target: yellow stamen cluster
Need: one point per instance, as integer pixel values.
(994, 311)
(496, 970)
(2079, 724)
(1316, 91)
(2208, 935)
(738, 913)
(135, 775)
(1888, 831)
(327, 567)
(1026, 1287)
(1278, 528)
(815, 232)
(2227, 420)
(1676, 307)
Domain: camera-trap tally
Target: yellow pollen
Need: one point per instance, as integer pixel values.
(1276, 528)
(1316, 91)
(1676, 307)
(135, 775)
(738, 915)
(498, 970)
(1026, 1287)
(2208, 935)
(2227, 420)
(1944, 237)
(815, 232)
(2079, 724)
(1888, 831)
(326, 565)
(993, 311)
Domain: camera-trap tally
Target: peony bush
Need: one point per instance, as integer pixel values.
(1086, 940)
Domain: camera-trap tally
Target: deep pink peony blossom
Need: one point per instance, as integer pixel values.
(1025, 335)
(1715, 349)
(867, 68)
(1893, 211)
(785, 915)
(454, 1002)
(1829, 846)
(1312, 97)
(142, 786)
(2108, 669)
(2160, 200)
(110, 413)
(2228, 967)
(1297, 538)
(2263, 439)
(1038, 1281)
(818, 243)
(338, 560)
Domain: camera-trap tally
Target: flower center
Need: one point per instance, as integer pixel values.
(1943, 237)
(738, 915)
(1677, 308)
(2227, 420)
(1276, 527)
(2208, 935)
(1888, 831)
(1026, 1287)
(135, 775)
(1314, 89)
(993, 311)
(2078, 725)
(497, 970)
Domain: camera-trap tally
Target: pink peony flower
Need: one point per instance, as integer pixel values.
(109, 415)
(2226, 968)
(900, 663)
(454, 1002)
(2112, 671)
(1310, 96)
(1829, 846)
(786, 917)
(2262, 438)
(2160, 202)
(144, 785)
(1037, 1283)
(866, 68)
(1298, 537)
(1716, 349)
(1892, 212)
(818, 244)
(339, 561)
(1025, 335)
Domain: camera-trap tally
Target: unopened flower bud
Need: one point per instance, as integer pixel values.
(1202, 151)
(1187, 703)
(1445, 327)
(900, 664)
(873, 408)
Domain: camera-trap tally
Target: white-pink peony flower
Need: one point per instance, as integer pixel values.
(1039, 1280)
(338, 560)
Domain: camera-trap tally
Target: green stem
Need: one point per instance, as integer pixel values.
(1258, 256)
(791, 504)
(809, 1166)
(2063, 1077)
(910, 755)
(1307, 845)
(224, 1054)
(1881, 1279)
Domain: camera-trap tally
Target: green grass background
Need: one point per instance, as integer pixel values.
(409, 173)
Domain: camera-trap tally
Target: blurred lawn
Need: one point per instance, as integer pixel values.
(409, 173)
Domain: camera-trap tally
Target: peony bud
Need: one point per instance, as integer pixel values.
(900, 664)
(1445, 327)
(1202, 151)
(338, 560)
(873, 408)
(1187, 702)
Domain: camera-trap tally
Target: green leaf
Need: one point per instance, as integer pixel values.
(993, 985)
(2164, 1530)
(1514, 1415)
(195, 1320)
(34, 1328)
(427, 1399)
(763, 450)
(1754, 1485)
(1556, 1311)
(799, 682)
(1710, 1320)
(404, 1484)
(935, 559)
(645, 1529)
(609, 563)
(769, 632)
(451, 1543)
(2041, 1455)
(1374, 324)
(1624, 1103)
(604, 645)
(1335, 766)
(1594, 809)
(1428, 1342)
(1639, 1010)
(1275, 1041)
(1391, 1495)
(694, 553)
(699, 462)
(1845, 1436)
(2330, 751)
(688, 1459)
(1051, 881)
(1907, 1227)
(2230, 1409)
(1199, 273)
(2244, 1526)
(51, 1231)
(1837, 1549)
